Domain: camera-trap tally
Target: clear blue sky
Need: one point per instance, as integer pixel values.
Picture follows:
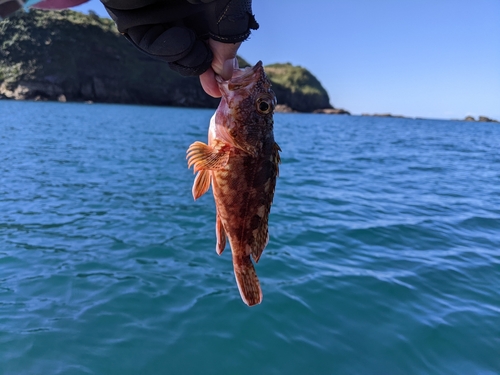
(425, 58)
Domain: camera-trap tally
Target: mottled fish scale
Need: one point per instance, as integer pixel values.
(241, 164)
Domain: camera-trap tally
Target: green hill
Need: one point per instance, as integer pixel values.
(297, 87)
(66, 55)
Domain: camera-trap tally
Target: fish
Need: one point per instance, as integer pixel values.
(241, 164)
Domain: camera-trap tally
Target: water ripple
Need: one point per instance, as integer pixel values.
(383, 256)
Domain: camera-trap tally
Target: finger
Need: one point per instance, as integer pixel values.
(209, 84)
(224, 60)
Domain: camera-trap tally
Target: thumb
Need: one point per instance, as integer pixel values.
(224, 61)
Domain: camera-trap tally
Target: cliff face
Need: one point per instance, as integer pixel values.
(75, 57)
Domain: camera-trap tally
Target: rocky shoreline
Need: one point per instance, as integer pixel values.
(19, 94)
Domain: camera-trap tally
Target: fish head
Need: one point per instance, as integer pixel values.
(244, 117)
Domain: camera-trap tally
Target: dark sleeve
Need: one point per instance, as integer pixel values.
(8, 7)
(176, 31)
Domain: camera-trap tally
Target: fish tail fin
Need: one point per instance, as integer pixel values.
(247, 280)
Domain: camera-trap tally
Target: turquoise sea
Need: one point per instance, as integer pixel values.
(384, 255)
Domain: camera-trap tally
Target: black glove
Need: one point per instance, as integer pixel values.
(7, 7)
(176, 31)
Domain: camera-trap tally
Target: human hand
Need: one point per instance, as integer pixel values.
(195, 37)
(223, 64)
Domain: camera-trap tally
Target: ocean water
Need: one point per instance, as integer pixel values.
(384, 255)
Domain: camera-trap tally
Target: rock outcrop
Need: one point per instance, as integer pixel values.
(383, 115)
(283, 108)
(296, 87)
(486, 119)
(480, 119)
(332, 111)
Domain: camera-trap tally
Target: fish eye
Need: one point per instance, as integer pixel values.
(264, 105)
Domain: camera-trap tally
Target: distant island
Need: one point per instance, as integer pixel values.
(70, 56)
(480, 119)
(468, 118)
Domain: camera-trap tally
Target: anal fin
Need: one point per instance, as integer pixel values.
(261, 241)
(221, 235)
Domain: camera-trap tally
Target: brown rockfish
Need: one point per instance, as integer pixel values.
(241, 163)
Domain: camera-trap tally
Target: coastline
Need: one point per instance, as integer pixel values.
(280, 108)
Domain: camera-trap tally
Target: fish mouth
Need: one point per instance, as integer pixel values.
(242, 77)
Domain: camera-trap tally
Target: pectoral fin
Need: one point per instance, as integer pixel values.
(205, 157)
